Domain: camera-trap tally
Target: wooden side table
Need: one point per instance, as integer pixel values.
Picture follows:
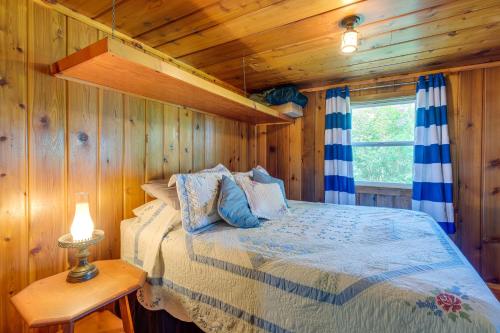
(53, 301)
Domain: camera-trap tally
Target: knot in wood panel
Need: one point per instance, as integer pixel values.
(83, 137)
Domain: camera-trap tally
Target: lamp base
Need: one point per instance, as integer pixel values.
(82, 273)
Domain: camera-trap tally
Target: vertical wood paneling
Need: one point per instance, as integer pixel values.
(82, 114)
(198, 141)
(154, 140)
(283, 155)
(171, 137)
(243, 147)
(59, 137)
(272, 150)
(252, 146)
(13, 177)
(228, 143)
(47, 127)
(452, 101)
(134, 153)
(295, 160)
(219, 140)
(261, 143)
(490, 263)
(308, 162)
(319, 148)
(210, 141)
(186, 140)
(111, 122)
(469, 159)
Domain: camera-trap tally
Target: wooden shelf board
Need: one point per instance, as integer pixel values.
(111, 64)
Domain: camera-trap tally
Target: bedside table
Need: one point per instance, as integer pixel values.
(53, 301)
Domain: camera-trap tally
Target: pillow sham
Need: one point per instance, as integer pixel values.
(216, 169)
(162, 191)
(250, 172)
(261, 177)
(265, 200)
(233, 207)
(198, 194)
(147, 207)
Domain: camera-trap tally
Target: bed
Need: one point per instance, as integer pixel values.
(322, 268)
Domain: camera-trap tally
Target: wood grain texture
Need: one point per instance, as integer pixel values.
(210, 156)
(111, 120)
(57, 138)
(171, 137)
(295, 159)
(470, 143)
(490, 228)
(319, 148)
(308, 143)
(111, 64)
(198, 141)
(154, 140)
(13, 160)
(47, 142)
(133, 153)
(83, 137)
(297, 41)
(186, 140)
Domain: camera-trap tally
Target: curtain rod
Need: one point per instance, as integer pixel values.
(384, 86)
(402, 76)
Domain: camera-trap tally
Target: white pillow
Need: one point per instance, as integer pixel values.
(198, 193)
(163, 192)
(147, 207)
(265, 200)
(216, 169)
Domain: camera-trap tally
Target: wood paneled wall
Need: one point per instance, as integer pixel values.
(58, 138)
(474, 123)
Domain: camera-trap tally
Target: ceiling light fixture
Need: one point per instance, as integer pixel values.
(350, 36)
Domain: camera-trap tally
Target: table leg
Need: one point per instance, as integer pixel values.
(128, 325)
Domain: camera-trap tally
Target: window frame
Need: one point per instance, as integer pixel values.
(375, 103)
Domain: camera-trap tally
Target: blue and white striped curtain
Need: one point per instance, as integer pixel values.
(339, 181)
(432, 179)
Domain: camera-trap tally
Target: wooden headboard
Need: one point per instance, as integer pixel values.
(495, 288)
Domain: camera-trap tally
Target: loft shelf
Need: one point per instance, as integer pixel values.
(110, 64)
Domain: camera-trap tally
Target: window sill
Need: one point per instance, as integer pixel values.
(393, 189)
(384, 185)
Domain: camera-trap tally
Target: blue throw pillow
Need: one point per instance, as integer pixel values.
(233, 205)
(261, 177)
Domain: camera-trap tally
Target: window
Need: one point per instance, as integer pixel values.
(382, 141)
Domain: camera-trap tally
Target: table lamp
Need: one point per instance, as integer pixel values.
(81, 237)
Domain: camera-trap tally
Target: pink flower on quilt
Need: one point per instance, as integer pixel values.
(449, 302)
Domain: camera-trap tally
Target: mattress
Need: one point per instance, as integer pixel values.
(322, 268)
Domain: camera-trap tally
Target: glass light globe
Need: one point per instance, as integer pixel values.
(82, 226)
(349, 41)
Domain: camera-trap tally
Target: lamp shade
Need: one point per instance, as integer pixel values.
(349, 41)
(82, 226)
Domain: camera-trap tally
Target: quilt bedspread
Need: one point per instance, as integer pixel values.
(322, 268)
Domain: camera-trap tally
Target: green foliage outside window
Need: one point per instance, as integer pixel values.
(383, 124)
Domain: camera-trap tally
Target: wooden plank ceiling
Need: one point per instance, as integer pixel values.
(298, 41)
